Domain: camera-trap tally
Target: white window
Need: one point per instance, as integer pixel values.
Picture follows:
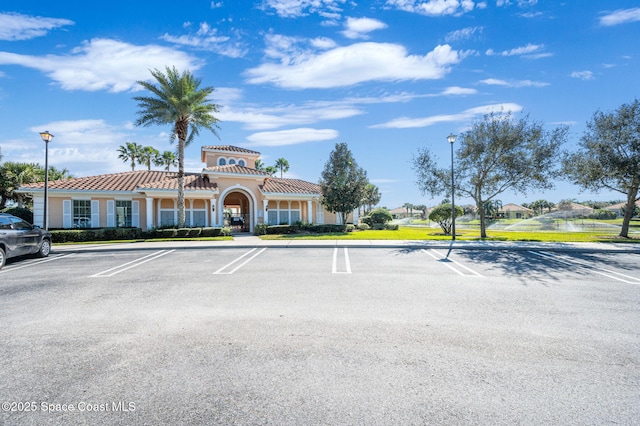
(81, 213)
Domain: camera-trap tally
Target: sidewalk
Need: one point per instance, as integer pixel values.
(251, 241)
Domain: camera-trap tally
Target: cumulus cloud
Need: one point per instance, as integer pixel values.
(207, 38)
(15, 26)
(357, 63)
(436, 7)
(104, 64)
(361, 27)
(458, 91)
(621, 16)
(291, 136)
(583, 75)
(469, 114)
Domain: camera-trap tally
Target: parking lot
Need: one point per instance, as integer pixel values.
(214, 334)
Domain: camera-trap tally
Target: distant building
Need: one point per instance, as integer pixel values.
(515, 211)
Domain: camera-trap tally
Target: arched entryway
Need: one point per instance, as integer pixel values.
(237, 208)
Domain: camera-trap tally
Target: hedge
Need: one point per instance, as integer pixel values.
(111, 234)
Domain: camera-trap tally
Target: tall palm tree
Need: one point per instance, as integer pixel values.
(272, 170)
(259, 165)
(179, 101)
(283, 165)
(168, 159)
(130, 152)
(148, 155)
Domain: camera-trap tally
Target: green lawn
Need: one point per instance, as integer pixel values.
(416, 233)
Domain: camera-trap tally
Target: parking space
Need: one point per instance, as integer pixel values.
(518, 265)
(237, 335)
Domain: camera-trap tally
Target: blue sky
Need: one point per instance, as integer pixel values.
(294, 77)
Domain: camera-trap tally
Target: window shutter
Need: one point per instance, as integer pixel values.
(66, 213)
(135, 214)
(95, 213)
(111, 213)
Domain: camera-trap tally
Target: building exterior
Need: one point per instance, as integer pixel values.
(229, 191)
(515, 211)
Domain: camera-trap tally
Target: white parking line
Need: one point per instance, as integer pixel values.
(584, 265)
(220, 271)
(35, 262)
(126, 266)
(448, 261)
(347, 262)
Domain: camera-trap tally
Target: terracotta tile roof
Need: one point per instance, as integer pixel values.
(128, 181)
(289, 186)
(230, 148)
(236, 170)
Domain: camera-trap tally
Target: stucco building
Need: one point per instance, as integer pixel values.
(229, 191)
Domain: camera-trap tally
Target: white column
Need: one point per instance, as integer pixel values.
(309, 212)
(214, 212)
(265, 210)
(149, 202)
(278, 212)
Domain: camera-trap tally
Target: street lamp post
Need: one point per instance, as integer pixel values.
(452, 138)
(46, 137)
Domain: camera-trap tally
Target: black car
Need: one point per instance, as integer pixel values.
(18, 238)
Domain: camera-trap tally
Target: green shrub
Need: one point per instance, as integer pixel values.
(211, 232)
(21, 212)
(260, 229)
(350, 227)
(182, 232)
(168, 232)
(227, 231)
(194, 232)
(281, 229)
(363, 227)
(85, 235)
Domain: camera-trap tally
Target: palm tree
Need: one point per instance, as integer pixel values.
(282, 164)
(130, 152)
(149, 155)
(259, 165)
(179, 101)
(272, 170)
(15, 175)
(168, 159)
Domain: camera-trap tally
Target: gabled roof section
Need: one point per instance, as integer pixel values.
(229, 148)
(234, 169)
(128, 181)
(289, 186)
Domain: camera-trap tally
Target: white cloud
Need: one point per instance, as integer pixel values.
(357, 63)
(255, 118)
(207, 38)
(583, 75)
(360, 27)
(435, 7)
(457, 91)
(291, 136)
(531, 51)
(621, 16)
(15, 26)
(297, 8)
(104, 64)
(216, 4)
(469, 114)
(521, 3)
(513, 83)
(463, 34)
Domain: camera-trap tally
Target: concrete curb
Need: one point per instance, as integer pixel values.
(253, 242)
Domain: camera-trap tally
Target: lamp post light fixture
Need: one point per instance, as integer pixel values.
(451, 139)
(46, 137)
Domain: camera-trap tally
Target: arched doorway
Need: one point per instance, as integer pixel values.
(237, 211)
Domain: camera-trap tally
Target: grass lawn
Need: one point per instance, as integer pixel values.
(415, 233)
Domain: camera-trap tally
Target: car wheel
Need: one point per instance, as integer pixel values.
(2, 258)
(45, 249)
